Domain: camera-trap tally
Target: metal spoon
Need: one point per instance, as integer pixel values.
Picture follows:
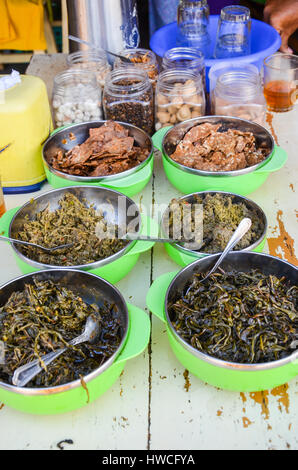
(136, 237)
(49, 250)
(240, 231)
(191, 245)
(82, 41)
(24, 374)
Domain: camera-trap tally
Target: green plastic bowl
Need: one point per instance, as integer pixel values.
(113, 268)
(184, 256)
(221, 374)
(129, 182)
(71, 396)
(188, 180)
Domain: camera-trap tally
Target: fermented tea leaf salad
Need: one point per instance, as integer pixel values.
(221, 216)
(74, 222)
(243, 317)
(44, 317)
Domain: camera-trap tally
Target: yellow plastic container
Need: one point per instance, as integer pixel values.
(25, 123)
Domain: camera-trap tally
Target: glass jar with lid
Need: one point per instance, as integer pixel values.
(128, 97)
(193, 25)
(95, 61)
(179, 96)
(240, 94)
(186, 58)
(144, 59)
(76, 97)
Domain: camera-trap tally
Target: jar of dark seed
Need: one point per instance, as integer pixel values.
(128, 97)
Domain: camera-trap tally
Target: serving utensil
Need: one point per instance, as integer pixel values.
(82, 41)
(240, 231)
(27, 372)
(35, 245)
(194, 245)
(137, 237)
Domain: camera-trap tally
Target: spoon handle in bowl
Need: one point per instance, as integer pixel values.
(22, 375)
(240, 231)
(20, 242)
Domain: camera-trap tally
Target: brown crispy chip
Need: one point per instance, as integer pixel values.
(204, 148)
(108, 150)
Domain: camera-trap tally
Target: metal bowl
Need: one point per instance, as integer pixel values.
(239, 261)
(191, 199)
(124, 213)
(176, 134)
(60, 140)
(92, 289)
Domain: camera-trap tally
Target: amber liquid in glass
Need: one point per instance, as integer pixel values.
(280, 95)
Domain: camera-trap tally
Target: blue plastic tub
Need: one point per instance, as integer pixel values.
(265, 40)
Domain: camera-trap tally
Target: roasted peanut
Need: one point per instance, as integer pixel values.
(163, 116)
(162, 100)
(184, 113)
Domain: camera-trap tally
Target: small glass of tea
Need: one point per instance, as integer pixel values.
(2, 203)
(281, 81)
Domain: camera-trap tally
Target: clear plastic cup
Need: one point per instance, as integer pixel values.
(233, 32)
(192, 25)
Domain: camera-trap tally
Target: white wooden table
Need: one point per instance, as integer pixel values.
(156, 404)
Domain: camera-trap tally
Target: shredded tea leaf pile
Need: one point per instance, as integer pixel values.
(221, 216)
(243, 317)
(74, 222)
(44, 317)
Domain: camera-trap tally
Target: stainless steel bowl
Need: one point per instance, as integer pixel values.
(176, 134)
(92, 289)
(239, 261)
(124, 213)
(61, 140)
(191, 199)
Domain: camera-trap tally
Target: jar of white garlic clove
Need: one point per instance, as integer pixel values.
(239, 94)
(179, 96)
(76, 98)
(94, 61)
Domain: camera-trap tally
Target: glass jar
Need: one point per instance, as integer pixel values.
(193, 25)
(179, 96)
(76, 97)
(128, 97)
(239, 94)
(90, 60)
(186, 58)
(142, 58)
